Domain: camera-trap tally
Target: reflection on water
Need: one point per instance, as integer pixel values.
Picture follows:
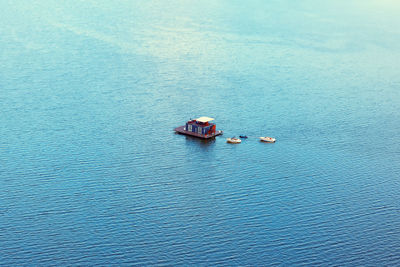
(205, 143)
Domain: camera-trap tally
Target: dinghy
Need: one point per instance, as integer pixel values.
(267, 139)
(233, 140)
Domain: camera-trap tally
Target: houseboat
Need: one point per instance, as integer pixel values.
(201, 127)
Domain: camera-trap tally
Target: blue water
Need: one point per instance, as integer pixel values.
(91, 172)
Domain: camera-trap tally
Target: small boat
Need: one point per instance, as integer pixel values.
(233, 140)
(267, 139)
(243, 136)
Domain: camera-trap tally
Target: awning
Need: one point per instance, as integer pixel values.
(204, 119)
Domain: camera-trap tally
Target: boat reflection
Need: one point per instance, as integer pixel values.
(201, 142)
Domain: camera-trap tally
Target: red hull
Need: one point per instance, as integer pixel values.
(182, 130)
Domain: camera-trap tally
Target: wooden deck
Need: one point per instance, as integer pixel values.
(182, 130)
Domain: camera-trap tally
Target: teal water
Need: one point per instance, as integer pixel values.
(91, 172)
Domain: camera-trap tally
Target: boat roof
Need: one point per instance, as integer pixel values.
(204, 119)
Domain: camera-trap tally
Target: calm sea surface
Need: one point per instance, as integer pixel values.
(91, 172)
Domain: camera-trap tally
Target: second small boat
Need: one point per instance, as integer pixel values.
(267, 139)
